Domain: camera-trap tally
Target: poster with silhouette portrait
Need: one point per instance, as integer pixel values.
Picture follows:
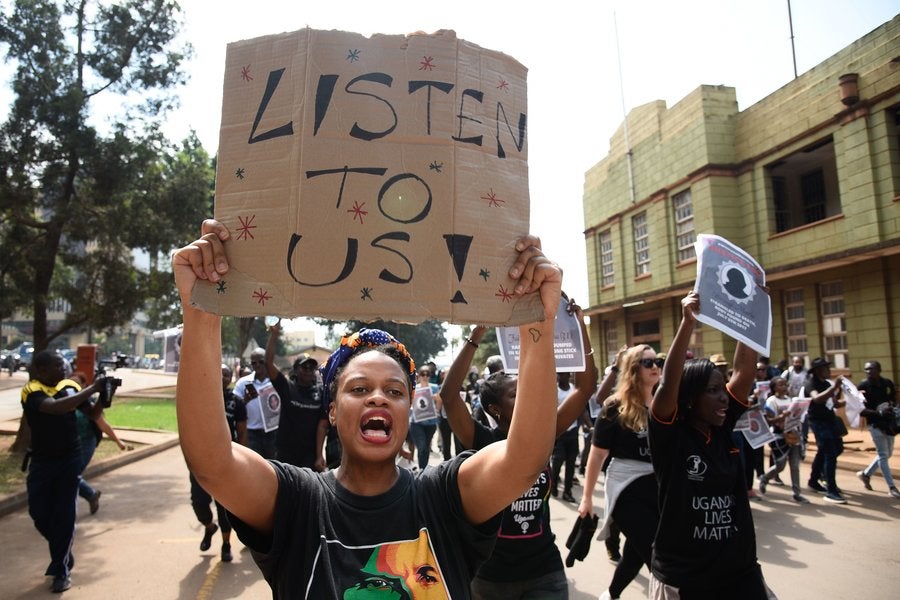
(372, 177)
(730, 283)
(423, 405)
(270, 405)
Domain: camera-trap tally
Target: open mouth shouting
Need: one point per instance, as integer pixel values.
(376, 426)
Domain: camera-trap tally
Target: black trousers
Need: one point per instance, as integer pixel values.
(565, 451)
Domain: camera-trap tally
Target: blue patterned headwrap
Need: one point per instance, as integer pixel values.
(350, 345)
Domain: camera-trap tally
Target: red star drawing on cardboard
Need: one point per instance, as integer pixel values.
(245, 73)
(246, 226)
(504, 294)
(261, 296)
(358, 211)
(492, 199)
(426, 64)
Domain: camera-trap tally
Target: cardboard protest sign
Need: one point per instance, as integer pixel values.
(381, 177)
(729, 282)
(568, 346)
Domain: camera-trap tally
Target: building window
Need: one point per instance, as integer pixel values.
(893, 139)
(610, 341)
(641, 244)
(834, 325)
(795, 321)
(804, 186)
(607, 273)
(684, 225)
(645, 330)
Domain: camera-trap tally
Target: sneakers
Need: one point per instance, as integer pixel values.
(816, 487)
(835, 498)
(226, 552)
(894, 492)
(211, 530)
(60, 584)
(800, 499)
(762, 485)
(866, 480)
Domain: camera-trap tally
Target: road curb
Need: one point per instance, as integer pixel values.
(19, 500)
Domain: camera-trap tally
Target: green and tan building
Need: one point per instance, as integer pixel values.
(807, 180)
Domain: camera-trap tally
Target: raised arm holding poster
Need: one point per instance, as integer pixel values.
(732, 299)
(371, 177)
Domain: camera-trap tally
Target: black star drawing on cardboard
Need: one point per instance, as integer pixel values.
(367, 294)
(484, 274)
(221, 287)
(239, 173)
(353, 55)
(436, 166)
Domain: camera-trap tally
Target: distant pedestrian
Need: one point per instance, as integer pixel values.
(236, 417)
(880, 406)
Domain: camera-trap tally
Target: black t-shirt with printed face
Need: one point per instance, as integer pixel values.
(410, 541)
(705, 537)
(620, 441)
(526, 546)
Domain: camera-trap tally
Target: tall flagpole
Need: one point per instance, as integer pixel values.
(793, 50)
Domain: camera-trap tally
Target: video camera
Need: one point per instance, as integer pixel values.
(107, 385)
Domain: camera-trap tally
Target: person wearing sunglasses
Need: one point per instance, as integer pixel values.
(620, 432)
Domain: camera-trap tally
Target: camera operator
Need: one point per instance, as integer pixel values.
(50, 402)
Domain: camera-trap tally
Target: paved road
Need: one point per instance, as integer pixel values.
(143, 543)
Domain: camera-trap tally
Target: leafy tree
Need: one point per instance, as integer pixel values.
(488, 346)
(423, 341)
(75, 201)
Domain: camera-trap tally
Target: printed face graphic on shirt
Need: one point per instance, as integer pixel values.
(402, 571)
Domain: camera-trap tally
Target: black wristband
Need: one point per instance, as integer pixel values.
(614, 368)
(471, 342)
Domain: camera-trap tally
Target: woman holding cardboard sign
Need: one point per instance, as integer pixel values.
(366, 525)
